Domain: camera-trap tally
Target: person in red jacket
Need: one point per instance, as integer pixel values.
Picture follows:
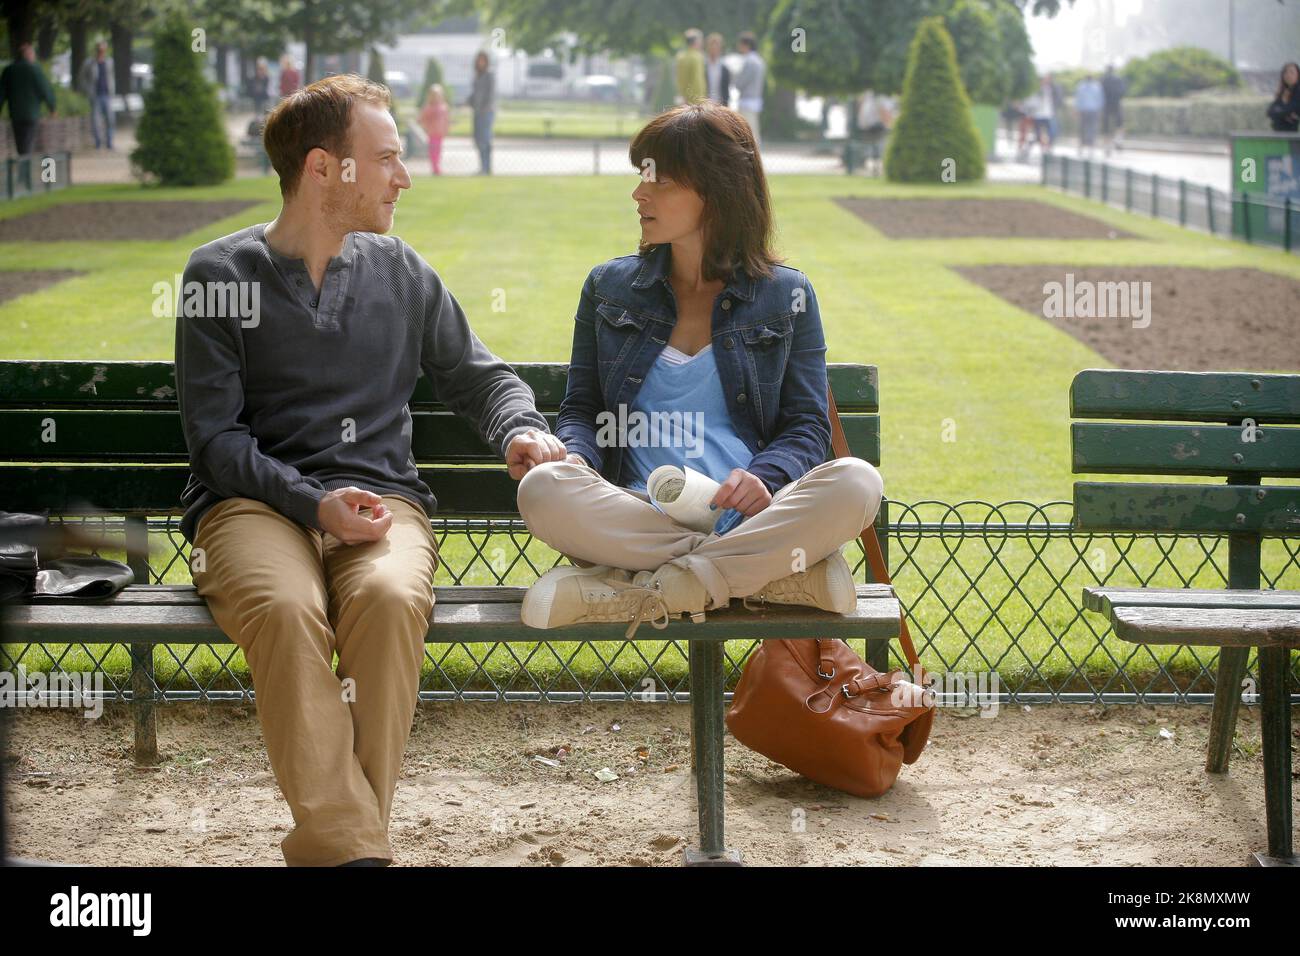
(435, 120)
(290, 78)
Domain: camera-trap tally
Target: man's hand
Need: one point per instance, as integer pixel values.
(574, 458)
(744, 492)
(339, 516)
(530, 449)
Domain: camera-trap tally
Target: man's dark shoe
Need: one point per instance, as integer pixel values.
(367, 861)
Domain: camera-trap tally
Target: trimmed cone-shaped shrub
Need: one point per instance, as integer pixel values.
(432, 75)
(182, 135)
(934, 139)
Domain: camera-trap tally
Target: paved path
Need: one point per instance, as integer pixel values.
(531, 157)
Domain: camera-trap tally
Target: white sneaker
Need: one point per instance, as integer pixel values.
(827, 585)
(568, 595)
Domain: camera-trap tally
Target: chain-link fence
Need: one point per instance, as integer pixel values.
(991, 590)
(1250, 216)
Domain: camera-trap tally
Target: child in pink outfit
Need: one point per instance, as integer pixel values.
(435, 120)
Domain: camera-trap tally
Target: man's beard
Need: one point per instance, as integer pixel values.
(346, 209)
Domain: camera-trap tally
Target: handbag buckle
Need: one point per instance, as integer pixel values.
(824, 676)
(844, 689)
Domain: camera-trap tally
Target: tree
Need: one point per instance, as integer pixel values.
(978, 42)
(853, 45)
(432, 75)
(340, 26)
(823, 47)
(254, 27)
(182, 135)
(634, 27)
(934, 137)
(1177, 72)
(1017, 51)
(621, 27)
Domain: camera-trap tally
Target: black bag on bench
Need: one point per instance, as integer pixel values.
(67, 578)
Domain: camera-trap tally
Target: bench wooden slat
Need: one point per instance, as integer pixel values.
(1207, 627)
(186, 595)
(156, 490)
(1107, 448)
(177, 618)
(36, 384)
(1103, 600)
(155, 436)
(1186, 396)
(1126, 506)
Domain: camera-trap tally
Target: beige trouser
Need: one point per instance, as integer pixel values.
(291, 597)
(579, 513)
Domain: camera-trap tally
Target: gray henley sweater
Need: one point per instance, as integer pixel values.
(310, 393)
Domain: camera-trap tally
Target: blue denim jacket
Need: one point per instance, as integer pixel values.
(767, 340)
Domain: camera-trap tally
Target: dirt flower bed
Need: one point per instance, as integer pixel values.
(1196, 319)
(108, 221)
(973, 218)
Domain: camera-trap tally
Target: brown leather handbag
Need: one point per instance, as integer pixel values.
(818, 708)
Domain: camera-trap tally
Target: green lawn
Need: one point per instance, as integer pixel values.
(946, 348)
(543, 119)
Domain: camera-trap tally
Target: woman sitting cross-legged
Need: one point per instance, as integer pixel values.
(701, 326)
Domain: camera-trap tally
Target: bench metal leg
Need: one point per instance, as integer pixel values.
(707, 726)
(1275, 721)
(1227, 701)
(1243, 572)
(142, 676)
(142, 691)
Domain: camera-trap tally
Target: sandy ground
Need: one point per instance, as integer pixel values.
(1051, 785)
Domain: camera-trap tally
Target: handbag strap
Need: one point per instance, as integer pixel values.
(870, 543)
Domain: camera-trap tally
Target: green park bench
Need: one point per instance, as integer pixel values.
(1227, 426)
(120, 451)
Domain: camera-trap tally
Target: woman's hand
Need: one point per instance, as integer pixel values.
(744, 492)
(530, 449)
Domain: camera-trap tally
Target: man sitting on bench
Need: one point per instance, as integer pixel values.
(298, 346)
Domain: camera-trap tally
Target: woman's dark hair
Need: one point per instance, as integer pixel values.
(711, 149)
(482, 57)
(1281, 83)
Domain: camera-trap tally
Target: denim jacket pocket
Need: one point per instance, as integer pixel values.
(619, 317)
(617, 332)
(767, 346)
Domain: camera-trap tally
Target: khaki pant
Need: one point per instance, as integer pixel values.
(291, 597)
(579, 513)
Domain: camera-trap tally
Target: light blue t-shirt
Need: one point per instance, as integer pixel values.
(700, 435)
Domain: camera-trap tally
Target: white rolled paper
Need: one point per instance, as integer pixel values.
(683, 494)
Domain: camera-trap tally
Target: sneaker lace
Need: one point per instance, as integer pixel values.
(652, 603)
(650, 606)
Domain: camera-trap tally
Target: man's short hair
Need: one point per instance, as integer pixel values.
(694, 36)
(748, 39)
(316, 115)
